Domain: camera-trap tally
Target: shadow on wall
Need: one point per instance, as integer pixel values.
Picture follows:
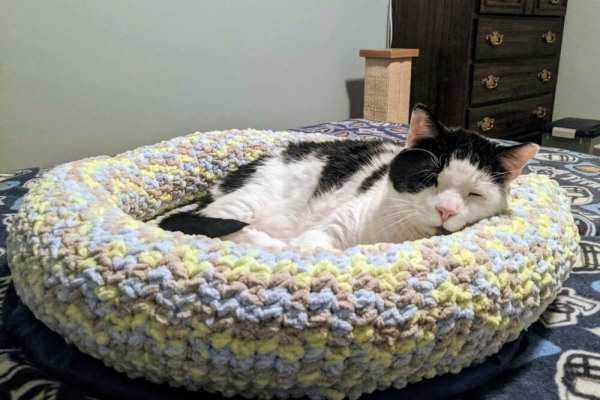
(355, 88)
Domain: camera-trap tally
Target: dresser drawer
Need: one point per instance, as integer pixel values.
(504, 37)
(503, 6)
(550, 7)
(509, 119)
(506, 80)
(517, 7)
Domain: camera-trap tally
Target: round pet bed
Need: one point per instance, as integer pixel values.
(215, 315)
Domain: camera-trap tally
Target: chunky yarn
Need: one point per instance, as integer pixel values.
(219, 316)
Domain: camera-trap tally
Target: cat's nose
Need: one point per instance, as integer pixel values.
(445, 213)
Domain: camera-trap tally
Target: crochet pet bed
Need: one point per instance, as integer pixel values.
(224, 317)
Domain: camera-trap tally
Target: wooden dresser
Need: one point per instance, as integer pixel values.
(488, 65)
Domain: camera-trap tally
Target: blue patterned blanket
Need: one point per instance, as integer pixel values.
(558, 358)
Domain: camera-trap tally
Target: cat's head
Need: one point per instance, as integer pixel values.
(453, 177)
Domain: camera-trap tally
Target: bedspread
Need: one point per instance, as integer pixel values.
(559, 357)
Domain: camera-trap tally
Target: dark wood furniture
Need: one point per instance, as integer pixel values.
(487, 65)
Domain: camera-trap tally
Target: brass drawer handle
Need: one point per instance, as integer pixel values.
(549, 37)
(545, 75)
(486, 124)
(541, 112)
(495, 38)
(490, 82)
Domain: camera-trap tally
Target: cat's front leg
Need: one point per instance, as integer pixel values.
(257, 238)
(231, 206)
(315, 238)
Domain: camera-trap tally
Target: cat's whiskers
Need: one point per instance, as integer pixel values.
(399, 205)
(384, 217)
(395, 221)
(385, 230)
(397, 214)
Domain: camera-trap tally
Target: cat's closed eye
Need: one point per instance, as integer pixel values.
(475, 194)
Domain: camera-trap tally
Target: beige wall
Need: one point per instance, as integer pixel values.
(578, 92)
(81, 78)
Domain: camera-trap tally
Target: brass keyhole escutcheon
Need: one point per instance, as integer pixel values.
(549, 37)
(495, 38)
(545, 75)
(490, 82)
(486, 124)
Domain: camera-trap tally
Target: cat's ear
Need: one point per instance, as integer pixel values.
(514, 158)
(422, 125)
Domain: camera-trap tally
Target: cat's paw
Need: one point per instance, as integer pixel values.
(314, 238)
(261, 239)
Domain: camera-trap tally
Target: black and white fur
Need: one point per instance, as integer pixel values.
(342, 193)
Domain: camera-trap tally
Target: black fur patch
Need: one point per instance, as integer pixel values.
(301, 150)
(464, 145)
(194, 224)
(236, 179)
(342, 159)
(414, 170)
(373, 178)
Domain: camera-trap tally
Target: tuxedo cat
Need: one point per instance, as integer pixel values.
(339, 194)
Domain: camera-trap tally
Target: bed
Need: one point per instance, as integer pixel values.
(559, 357)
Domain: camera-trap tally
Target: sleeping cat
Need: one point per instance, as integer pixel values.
(342, 193)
